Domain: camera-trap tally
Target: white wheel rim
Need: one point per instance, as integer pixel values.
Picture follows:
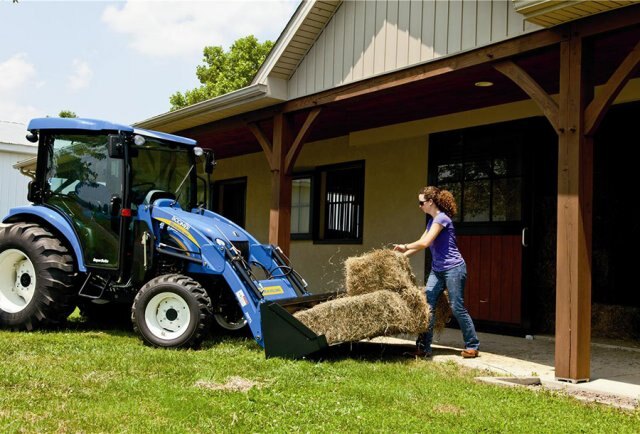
(17, 281)
(229, 325)
(167, 316)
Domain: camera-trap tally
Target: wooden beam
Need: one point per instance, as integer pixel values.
(609, 21)
(264, 142)
(281, 186)
(575, 192)
(299, 141)
(600, 105)
(520, 77)
(435, 68)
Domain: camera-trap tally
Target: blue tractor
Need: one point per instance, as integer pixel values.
(119, 218)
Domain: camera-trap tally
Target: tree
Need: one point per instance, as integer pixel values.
(67, 114)
(224, 72)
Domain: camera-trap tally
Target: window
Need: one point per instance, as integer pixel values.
(230, 198)
(483, 170)
(157, 166)
(340, 203)
(327, 204)
(301, 207)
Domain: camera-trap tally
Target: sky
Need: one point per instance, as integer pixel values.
(119, 61)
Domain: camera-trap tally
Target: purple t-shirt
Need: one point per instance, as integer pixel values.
(444, 249)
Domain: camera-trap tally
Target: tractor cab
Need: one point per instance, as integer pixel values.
(98, 174)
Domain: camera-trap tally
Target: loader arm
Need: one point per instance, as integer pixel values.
(209, 246)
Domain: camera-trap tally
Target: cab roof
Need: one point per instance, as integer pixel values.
(40, 124)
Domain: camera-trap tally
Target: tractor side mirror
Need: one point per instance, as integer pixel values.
(209, 161)
(115, 146)
(33, 192)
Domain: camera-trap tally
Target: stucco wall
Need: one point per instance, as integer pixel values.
(394, 171)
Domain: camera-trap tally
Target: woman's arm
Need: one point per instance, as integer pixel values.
(425, 241)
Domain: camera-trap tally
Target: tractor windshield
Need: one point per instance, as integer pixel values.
(161, 166)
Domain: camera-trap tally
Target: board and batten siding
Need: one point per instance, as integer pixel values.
(367, 38)
(13, 184)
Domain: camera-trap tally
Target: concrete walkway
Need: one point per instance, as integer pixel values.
(615, 369)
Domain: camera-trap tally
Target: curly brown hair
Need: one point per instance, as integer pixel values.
(443, 199)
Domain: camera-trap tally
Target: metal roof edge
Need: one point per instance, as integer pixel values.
(25, 163)
(245, 94)
(18, 148)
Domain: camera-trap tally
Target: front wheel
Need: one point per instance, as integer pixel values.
(172, 311)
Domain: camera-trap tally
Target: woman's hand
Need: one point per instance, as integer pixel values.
(400, 248)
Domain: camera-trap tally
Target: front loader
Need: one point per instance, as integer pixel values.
(119, 218)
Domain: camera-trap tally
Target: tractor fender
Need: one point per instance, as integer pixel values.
(53, 220)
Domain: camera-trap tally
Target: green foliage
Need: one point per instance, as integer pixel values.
(223, 71)
(84, 380)
(67, 114)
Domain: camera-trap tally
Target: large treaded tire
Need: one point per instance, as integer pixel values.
(28, 248)
(172, 311)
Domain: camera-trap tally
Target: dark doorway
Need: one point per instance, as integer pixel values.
(230, 198)
(490, 171)
(616, 229)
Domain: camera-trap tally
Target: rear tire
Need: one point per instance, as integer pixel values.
(172, 311)
(37, 278)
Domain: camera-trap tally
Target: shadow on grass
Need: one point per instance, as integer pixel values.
(124, 328)
(373, 351)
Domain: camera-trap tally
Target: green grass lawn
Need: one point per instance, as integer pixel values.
(82, 380)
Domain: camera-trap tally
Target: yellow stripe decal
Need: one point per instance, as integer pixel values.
(180, 229)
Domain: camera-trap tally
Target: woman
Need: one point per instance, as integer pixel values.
(448, 269)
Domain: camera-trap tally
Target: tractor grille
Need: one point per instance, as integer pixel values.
(243, 246)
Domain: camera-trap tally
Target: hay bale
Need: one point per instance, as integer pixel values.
(442, 314)
(379, 313)
(417, 305)
(379, 269)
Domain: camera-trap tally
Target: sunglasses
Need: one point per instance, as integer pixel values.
(421, 202)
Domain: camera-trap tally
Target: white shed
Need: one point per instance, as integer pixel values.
(14, 147)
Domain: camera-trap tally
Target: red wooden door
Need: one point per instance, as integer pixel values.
(488, 171)
(494, 277)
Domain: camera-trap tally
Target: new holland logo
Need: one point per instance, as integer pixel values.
(272, 290)
(185, 225)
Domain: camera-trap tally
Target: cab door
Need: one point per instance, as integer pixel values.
(86, 185)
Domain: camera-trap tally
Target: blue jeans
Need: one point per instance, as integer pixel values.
(454, 280)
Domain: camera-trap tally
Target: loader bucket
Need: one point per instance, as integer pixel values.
(285, 336)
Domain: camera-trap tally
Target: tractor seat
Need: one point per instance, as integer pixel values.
(154, 195)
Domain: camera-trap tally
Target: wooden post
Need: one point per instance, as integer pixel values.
(281, 153)
(575, 196)
(280, 212)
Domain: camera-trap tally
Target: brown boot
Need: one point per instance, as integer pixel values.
(470, 353)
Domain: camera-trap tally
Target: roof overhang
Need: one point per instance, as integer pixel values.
(243, 100)
(18, 148)
(548, 13)
(297, 38)
(269, 87)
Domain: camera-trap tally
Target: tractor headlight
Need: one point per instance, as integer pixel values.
(198, 151)
(139, 140)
